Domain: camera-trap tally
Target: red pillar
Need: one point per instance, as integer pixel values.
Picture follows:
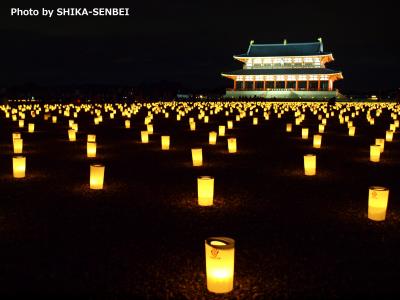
(285, 84)
(254, 84)
(275, 84)
(234, 84)
(308, 85)
(297, 85)
(265, 86)
(319, 84)
(330, 84)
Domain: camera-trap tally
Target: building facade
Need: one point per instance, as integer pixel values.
(284, 71)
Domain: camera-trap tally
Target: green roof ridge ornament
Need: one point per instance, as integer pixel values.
(285, 41)
(321, 47)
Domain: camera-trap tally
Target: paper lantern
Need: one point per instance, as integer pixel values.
(165, 142)
(389, 136)
(21, 123)
(72, 135)
(16, 135)
(19, 166)
(206, 119)
(352, 131)
(212, 138)
(317, 141)
(232, 145)
(127, 123)
(192, 126)
(197, 157)
(31, 127)
(255, 121)
(205, 190)
(220, 264)
(75, 127)
(289, 127)
(144, 136)
(91, 149)
(310, 164)
(18, 145)
(374, 153)
(321, 128)
(91, 138)
(96, 176)
(230, 124)
(304, 133)
(381, 143)
(377, 203)
(150, 128)
(221, 130)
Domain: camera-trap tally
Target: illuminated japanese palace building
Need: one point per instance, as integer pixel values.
(284, 71)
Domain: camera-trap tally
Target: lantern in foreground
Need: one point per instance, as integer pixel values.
(377, 203)
(165, 142)
(96, 177)
(221, 130)
(232, 145)
(317, 141)
(205, 190)
(310, 164)
(19, 166)
(91, 149)
(144, 136)
(304, 133)
(289, 127)
(18, 145)
(352, 131)
(389, 136)
(197, 157)
(212, 138)
(72, 135)
(31, 127)
(220, 264)
(375, 153)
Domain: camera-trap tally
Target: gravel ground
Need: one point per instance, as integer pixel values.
(143, 235)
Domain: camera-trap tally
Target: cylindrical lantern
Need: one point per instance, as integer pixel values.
(304, 133)
(289, 127)
(255, 121)
(144, 136)
(321, 128)
(389, 136)
(19, 166)
(91, 149)
(31, 127)
(91, 138)
(96, 177)
(18, 145)
(377, 203)
(375, 153)
(212, 138)
(381, 143)
(221, 130)
(220, 264)
(150, 128)
(205, 190)
(16, 135)
(54, 119)
(127, 123)
(21, 123)
(317, 140)
(197, 157)
(232, 145)
(192, 126)
(165, 142)
(352, 131)
(310, 164)
(230, 124)
(72, 135)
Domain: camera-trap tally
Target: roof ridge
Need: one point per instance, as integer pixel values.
(282, 44)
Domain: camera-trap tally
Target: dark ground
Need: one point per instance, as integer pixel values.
(143, 235)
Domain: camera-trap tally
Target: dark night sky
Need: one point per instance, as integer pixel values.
(192, 42)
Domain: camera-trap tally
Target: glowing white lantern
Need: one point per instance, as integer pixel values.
(144, 136)
(205, 190)
(165, 142)
(96, 176)
(91, 149)
(19, 166)
(304, 133)
(221, 130)
(232, 148)
(310, 164)
(197, 157)
(374, 153)
(317, 141)
(377, 203)
(212, 138)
